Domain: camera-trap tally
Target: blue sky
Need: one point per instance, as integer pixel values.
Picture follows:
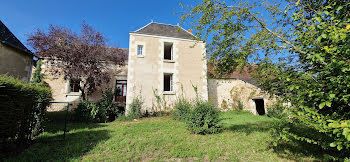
(114, 18)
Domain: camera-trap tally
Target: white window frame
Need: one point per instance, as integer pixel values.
(143, 44)
(171, 82)
(171, 52)
(139, 51)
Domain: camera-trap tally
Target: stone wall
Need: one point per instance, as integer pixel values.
(15, 63)
(145, 73)
(226, 94)
(60, 87)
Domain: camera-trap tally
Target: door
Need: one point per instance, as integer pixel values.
(120, 91)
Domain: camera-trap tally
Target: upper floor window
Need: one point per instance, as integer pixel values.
(168, 51)
(140, 50)
(74, 85)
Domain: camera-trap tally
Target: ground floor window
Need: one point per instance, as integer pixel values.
(168, 82)
(120, 90)
(74, 85)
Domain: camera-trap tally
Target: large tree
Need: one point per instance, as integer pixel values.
(82, 56)
(302, 50)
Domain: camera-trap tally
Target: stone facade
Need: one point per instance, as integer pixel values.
(15, 62)
(61, 88)
(227, 93)
(146, 72)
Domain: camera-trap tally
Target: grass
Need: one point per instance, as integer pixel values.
(245, 138)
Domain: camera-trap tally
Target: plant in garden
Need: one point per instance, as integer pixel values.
(82, 57)
(106, 110)
(203, 119)
(135, 108)
(182, 109)
(301, 49)
(83, 112)
(38, 77)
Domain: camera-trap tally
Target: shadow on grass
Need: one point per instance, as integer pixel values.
(249, 128)
(73, 147)
(56, 122)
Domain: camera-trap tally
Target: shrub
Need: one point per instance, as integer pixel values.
(83, 111)
(277, 111)
(23, 108)
(182, 109)
(204, 119)
(135, 108)
(106, 110)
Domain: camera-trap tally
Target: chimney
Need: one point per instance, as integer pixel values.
(190, 31)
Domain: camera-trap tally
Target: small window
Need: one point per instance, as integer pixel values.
(168, 51)
(74, 85)
(140, 50)
(168, 82)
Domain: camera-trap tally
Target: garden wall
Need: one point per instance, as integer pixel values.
(227, 94)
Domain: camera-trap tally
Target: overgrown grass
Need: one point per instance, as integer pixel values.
(245, 138)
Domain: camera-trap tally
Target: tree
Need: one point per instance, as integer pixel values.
(82, 57)
(37, 77)
(302, 51)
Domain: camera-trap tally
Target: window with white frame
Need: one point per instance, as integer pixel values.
(168, 51)
(74, 85)
(140, 50)
(168, 82)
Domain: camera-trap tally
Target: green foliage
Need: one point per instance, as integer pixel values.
(182, 109)
(23, 108)
(301, 52)
(135, 108)
(107, 111)
(37, 77)
(204, 119)
(102, 111)
(240, 105)
(277, 111)
(83, 112)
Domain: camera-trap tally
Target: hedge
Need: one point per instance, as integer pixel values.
(22, 109)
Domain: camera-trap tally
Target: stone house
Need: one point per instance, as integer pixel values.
(164, 63)
(15, 59)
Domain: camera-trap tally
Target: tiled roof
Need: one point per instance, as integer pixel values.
(7, 37)
(244, 74)
(166, 30)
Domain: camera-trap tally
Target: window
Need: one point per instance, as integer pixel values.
(168, 51)
(168, 82)
(140, 50)
(74, 85)
(120, 90)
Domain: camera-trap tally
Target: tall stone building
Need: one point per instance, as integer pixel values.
(165, 61)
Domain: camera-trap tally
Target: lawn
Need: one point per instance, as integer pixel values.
(245, 138)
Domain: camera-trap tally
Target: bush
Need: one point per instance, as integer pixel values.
(103, 111)
(106, 110)
(23, 108)
(83, 111)
(276, 111)
(182, 109)
(135, 108)
(204, 119)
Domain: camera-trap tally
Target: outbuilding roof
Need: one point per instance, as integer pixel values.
(166, 30)
(7, 37)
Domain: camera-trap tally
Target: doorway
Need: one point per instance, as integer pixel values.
(260, 108)
(120, 91)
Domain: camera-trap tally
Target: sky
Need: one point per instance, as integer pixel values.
(114, 18)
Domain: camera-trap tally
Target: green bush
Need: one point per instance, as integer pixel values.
(182, 109)
(83, 111)
(135, 108)
(102, 111)
(276, 111)
(107, 110)
(22, 110)
(204, 119)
